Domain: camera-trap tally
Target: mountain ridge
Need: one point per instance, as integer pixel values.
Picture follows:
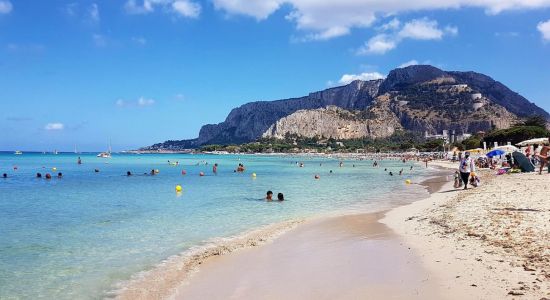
(422, 98)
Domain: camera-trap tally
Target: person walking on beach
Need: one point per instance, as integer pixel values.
(544, 157)
(466, 167)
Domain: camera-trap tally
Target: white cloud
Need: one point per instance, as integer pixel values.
(139, 40)
(259, 9)
(93, 13)
(417, 29)
(544, 28)
(322, 16)
(185, 8)
(421, 29)
(5, 7)
(327, 34)
(26, 48)
(412, 62)
(145, 102)
(391, 25)
(379, 44)
(347, 78)
(141, 102)
(54, 126)
(451, 30)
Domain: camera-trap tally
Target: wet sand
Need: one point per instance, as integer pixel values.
(346, 257)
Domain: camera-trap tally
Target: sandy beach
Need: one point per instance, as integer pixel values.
(490, 242)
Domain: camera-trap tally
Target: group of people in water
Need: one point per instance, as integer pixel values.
(269, 196)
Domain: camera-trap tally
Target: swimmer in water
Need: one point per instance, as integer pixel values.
(128, 173)
(280, 197)
(38, 175)
(330, 172)
(79, 161)
(48, 176)
(4, 175)
(59, 175)
(215, 169)
(269, 196)
(391, 173)
(152, 173)
(96, 170)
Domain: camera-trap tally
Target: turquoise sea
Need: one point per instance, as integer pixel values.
(78, 236)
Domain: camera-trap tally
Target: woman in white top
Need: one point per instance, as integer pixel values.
(466, 167)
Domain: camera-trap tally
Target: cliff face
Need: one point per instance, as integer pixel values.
(417, 98)
(251, 120)
(331, 122)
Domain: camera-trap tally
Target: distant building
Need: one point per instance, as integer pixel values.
(448, 138)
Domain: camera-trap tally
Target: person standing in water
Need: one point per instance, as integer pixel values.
(215, 169)
(466, 167)
(79, 161)
(269, 196)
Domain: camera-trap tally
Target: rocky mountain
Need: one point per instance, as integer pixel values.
(333, 122)
(419, 98)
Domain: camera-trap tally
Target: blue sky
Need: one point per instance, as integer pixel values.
(140, 72)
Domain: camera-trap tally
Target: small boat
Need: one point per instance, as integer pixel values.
(106, 154)
(18, 152)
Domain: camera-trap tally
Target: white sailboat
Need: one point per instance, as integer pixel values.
(106, 154)
(18, 152)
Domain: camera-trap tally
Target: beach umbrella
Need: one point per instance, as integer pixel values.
(495, 152)
(507, 148)
(538, 141)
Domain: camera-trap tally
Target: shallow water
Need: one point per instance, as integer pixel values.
(80, 235)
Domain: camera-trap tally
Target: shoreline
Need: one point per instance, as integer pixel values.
(179, 269)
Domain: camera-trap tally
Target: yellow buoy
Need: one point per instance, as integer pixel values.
(408, 181)
(253, 174)
(178, 188)
(157, 171)
(54, 168)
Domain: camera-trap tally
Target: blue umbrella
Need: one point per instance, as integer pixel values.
(495, 152)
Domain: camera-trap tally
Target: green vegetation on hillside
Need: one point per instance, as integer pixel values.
(400, 141)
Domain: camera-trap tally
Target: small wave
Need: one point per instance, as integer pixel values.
(162, 280)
